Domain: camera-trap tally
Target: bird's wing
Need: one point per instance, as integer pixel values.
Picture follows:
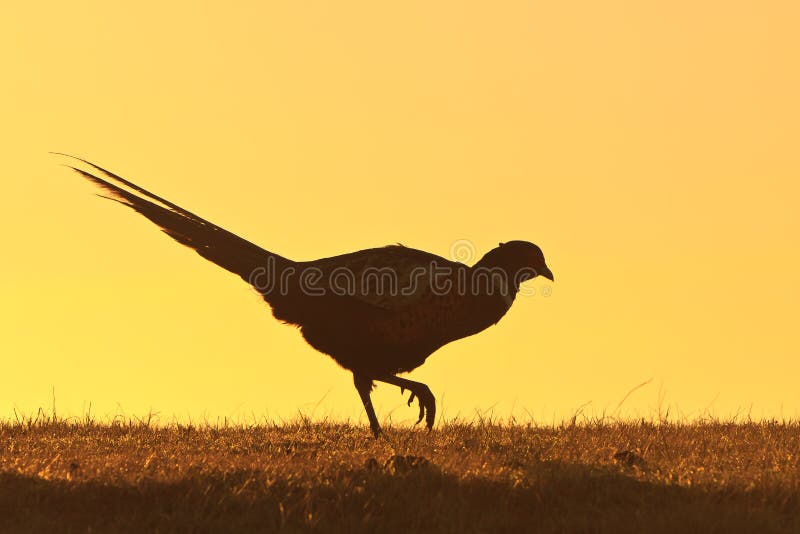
(216, 244)
(390, 278)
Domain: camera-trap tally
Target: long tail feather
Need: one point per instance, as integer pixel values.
(214, 243)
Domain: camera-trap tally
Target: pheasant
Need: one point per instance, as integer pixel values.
(377, 312)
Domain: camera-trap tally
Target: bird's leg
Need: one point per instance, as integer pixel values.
(364, 387)
(427, 402)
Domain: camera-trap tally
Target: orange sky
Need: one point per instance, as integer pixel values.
(650, 150)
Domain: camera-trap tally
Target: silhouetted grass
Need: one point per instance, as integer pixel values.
(462, 477)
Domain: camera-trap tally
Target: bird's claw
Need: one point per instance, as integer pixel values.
(423, 408)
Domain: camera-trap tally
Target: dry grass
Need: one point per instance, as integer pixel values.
(480, 477)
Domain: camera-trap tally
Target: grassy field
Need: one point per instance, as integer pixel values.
(461, 477)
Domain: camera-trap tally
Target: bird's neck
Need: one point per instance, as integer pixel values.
(493, 278)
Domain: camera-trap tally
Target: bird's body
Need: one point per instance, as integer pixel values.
(376, 312)
(369, 313)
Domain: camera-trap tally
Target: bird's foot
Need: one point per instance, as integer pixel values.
(427, 403)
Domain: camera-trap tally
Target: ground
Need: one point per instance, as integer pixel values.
(601, 476)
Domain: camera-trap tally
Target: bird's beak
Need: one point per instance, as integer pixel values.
(547, 273)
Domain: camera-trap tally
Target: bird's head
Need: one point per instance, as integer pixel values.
(520, 259)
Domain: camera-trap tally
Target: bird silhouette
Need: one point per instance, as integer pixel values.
(377, 312)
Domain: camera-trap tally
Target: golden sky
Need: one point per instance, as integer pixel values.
(649, 148)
